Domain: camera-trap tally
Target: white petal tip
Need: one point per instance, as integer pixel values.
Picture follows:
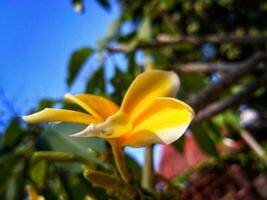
(80, 134)
(24, 117)
(87, 132)
(67, 95)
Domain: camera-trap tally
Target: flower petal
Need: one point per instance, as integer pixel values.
(163, 121)
(56, 115)
(115, 126)
(146, 87)
(98, 107)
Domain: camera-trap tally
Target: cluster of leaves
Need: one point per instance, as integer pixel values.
(20, 167)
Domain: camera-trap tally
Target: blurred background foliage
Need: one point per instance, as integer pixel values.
(205, 42)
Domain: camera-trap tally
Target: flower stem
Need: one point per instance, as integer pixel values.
(147, 172)
(119, 157)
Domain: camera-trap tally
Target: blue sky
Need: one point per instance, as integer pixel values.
(37, 39)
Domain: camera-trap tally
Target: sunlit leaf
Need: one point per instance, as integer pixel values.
(38, 172)
(145, 30)
(112, 32)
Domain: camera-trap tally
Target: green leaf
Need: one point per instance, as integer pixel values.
(105, 4)
(77, 60)
(121, 81)
(57, 139)
(133, 167)
(145, 30)
(112, 183)
(112, 32)
(46, 103)
(191, 83)
(12, 133)
(7, 163)
(231, 118)
(16, 184)
(96, 84)
(130, 46)
(113, 29)
(38, 172)
(179, 144)
(204, 141)
(78, 188)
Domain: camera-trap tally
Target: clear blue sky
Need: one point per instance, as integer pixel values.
(37, 38)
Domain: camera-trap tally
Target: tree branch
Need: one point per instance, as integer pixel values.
(206, 67)
(253, 144)
(212, 92)
(215, 39)
(220, 106)
(163, 40)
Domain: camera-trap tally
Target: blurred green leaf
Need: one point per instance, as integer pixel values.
(46, 103)
(112, 32)
(96, 83)
(78, 187)
(38, 172)
(231, 118)
(145, 30)
(179, 144)
(113, 29)
(57, 139)
(12, 133)
(131, 45)
(120, 82)
(77, 60)
(204, 140)
(134, 167)
(15, 188)
(104, 3)
(7, 163)
(192, 82)
(213, 131)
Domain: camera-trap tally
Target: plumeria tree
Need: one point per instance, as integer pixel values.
(211, 55)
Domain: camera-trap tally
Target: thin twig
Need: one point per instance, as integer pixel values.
(254, 145)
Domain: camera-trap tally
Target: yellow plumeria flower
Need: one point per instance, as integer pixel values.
(146, 116)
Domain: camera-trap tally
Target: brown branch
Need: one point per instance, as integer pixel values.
(220, 106)
(213, 92)
(215, 39)
(163, 40)
(206, 67)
